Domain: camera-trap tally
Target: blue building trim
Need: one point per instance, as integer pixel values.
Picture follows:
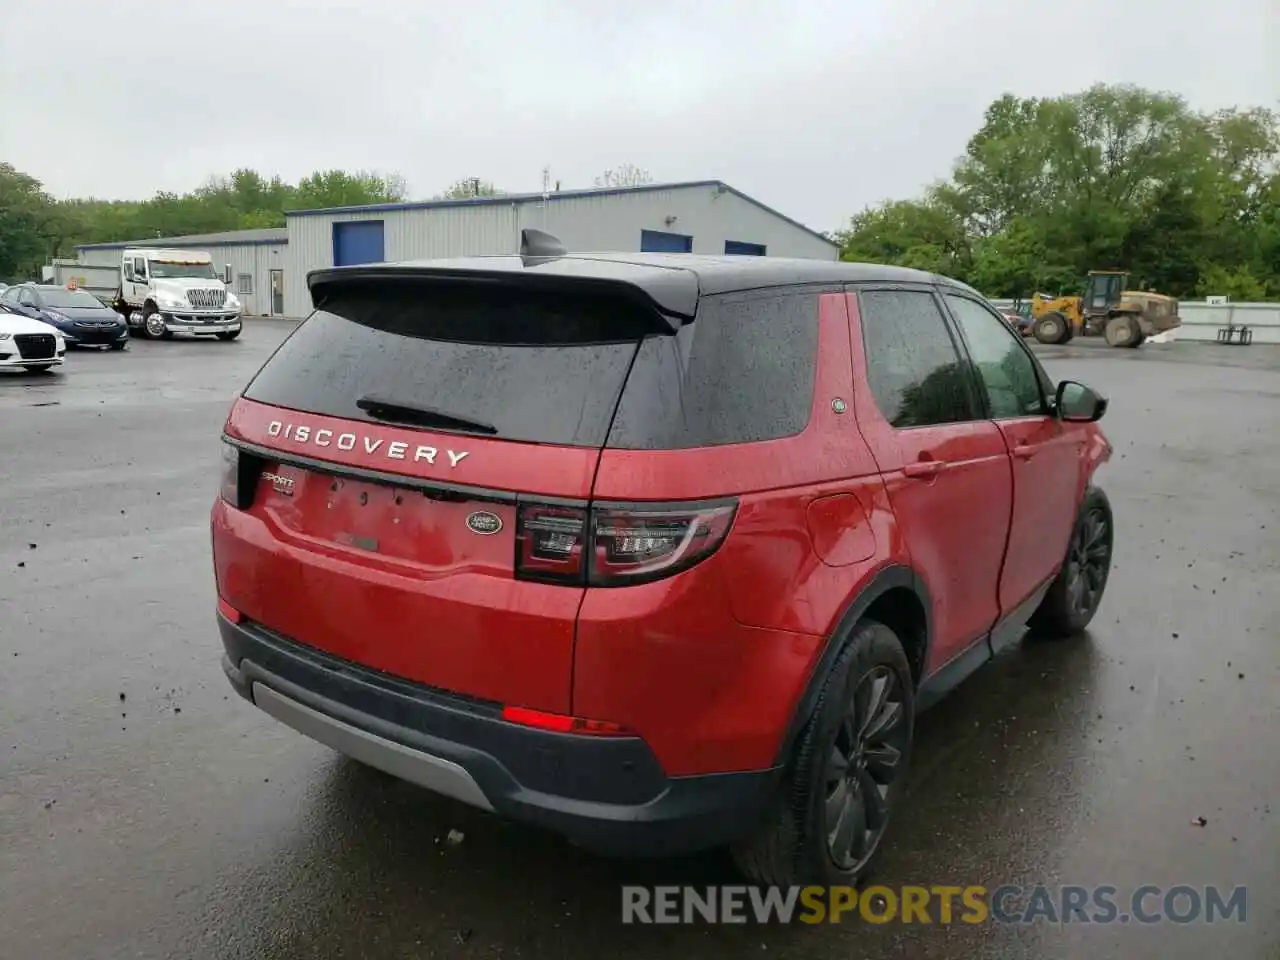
(359, 241)
(519, 198)
(659, 241)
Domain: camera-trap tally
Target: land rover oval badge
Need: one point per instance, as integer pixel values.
(484, 523)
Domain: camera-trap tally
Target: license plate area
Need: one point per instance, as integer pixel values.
(434, 530)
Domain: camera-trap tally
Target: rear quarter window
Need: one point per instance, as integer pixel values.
(742, 372)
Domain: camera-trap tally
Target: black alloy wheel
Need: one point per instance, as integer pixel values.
(1076, 593)
(868, 753)
(1089, 562)
(846, 771)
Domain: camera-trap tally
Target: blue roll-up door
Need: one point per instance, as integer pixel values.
(655, 241)
(359, 241)
(743, 249)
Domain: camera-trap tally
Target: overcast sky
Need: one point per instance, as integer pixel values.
(817, 112)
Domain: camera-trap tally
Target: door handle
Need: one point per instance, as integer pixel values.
(1025, 451)
(924, 469)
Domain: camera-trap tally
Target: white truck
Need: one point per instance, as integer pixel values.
(163, 292)
(101, 281)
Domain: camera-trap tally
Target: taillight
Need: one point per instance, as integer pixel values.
(550, 543)
(230, 487)
(617, 545)
(631, 545)
(240, 472)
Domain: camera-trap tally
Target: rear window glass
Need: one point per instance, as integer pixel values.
(537, 367)
(743, 371)
(69, 299)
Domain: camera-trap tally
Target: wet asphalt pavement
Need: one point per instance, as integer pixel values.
(145, 811)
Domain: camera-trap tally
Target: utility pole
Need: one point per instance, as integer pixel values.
(546, 191)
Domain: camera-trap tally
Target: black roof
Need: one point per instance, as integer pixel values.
(671, 281)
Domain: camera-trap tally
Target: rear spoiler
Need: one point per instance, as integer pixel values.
(671, 292)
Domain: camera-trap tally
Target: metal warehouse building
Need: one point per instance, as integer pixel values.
(706, 216)
(257, 259)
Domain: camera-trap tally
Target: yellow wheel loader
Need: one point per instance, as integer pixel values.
(1124, 317)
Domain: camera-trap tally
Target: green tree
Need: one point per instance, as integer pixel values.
(338, 188)
(926, 235)
(1114, 176)
(1238, 285)
(469, 188)
(26, 219)
(34, 227)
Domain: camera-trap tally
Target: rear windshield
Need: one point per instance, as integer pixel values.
(533, 366)
(551, 368)
(69, 299)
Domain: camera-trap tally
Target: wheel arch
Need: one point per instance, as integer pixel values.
(897, 597)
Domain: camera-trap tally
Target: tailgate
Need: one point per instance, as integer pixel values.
(389, 453)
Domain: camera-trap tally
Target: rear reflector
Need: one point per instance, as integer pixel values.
(559, 723)
(617, 545)
(228, 611)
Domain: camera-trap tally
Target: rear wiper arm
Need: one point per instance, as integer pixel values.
(385, 409)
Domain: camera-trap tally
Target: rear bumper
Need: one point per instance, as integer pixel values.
(607, 794)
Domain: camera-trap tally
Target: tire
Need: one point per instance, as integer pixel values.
(792, 845)
(156, 331)
(1076, 592)
(1122, 331)
(120, 345)
(1051, 328)
(228, 335)
(38, 367)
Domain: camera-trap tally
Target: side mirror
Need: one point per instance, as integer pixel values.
(226, 274)
(1076, 403)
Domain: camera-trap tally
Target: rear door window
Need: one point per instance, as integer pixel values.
(534, 366)
(913, 365)
(742, 372)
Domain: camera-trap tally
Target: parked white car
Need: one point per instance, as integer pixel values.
(28, 343)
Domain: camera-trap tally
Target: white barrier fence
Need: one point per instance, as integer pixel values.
(1201, 321)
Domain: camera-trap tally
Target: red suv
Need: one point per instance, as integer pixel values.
(661, 552)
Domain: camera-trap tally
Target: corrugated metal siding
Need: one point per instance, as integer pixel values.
(99, 257)
(409, 235)
(608, 222)
(708, 215)
(256, 259)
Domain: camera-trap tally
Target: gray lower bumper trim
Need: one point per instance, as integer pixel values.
(434, 773)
